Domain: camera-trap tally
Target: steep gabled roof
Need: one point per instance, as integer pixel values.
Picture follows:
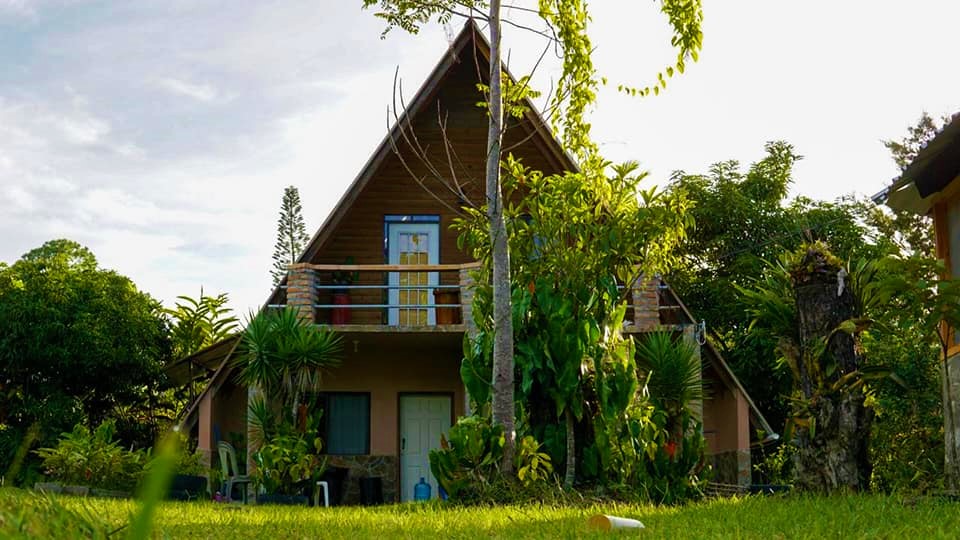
(470, 45)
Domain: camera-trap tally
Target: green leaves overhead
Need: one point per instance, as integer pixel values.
(686, 22)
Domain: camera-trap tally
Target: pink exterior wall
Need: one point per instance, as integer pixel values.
(726, 420)
(223, 406)
(385, 374)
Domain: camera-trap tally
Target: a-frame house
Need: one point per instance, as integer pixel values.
(406, 308)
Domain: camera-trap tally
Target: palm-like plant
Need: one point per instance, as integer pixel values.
(672, 370)
(200, 322)
(285, 355)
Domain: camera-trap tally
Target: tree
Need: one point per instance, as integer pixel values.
(291, 234)
(817, 309)
(78, 342)
(578, 240)
(743, 218)
(913, 231)
(576, 91)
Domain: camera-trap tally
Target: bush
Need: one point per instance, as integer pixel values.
(93, 459)
(468, 458)
(467, 466)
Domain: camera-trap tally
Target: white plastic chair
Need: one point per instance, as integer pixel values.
(228, 466)
(326, 493)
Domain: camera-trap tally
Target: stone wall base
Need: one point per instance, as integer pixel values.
(732, 467)
(364, 467)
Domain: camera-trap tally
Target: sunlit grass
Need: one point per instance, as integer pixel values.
(24, 514)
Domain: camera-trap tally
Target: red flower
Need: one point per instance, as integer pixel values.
(670, 448)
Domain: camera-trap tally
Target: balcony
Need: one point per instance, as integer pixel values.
(429, 298)
(398, 298)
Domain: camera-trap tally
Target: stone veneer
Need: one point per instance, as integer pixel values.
(364, 467)
(646, 304)
(731, 467)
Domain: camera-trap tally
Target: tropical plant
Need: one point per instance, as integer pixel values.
(93, 459)
(80, 344)
(533, 466)
(468, 457)
(672, 370)
(288, 464)
(580, 241)
(200, 322)
(818, 310)
(285, 356)
(291, 234)
(345, 277)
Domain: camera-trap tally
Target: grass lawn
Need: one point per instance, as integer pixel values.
(24, 514)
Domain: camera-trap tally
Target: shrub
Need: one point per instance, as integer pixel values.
(468, 458)
(467, 466)
(287, 464)
(93, 459)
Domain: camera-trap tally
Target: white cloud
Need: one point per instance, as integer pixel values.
(200, 92)
(179, 196)
(17, 7)
(81, 129)
(21, 199)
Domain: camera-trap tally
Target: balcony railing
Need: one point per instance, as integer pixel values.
(377, 297)
(422, 298)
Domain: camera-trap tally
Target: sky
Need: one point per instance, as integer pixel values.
(161, 134)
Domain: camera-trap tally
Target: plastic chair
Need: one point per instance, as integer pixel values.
(321, 485)
(228, 466)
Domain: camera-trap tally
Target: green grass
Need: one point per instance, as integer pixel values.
(26, 515)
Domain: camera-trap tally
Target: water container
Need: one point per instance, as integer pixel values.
(421, 491)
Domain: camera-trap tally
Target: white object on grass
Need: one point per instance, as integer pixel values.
(608, 523)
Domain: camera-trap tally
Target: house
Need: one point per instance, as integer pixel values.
(399, 385)
(930, 185)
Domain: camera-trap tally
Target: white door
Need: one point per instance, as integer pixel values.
(413, 243)
(422, 420)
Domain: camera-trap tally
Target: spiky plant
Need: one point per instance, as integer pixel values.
(284, 356)
(672, 370)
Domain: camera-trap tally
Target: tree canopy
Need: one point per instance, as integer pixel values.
(78, 341)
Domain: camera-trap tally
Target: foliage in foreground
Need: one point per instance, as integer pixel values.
(95, 458)
(26, 515)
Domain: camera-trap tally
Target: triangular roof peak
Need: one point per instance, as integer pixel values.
(470, 43)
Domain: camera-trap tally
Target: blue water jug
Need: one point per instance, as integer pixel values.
(421, 491)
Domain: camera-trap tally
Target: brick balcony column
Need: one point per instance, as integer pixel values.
(301, 290)
(466, 301)
(646, 303)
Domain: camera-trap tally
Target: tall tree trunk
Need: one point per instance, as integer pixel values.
(571, 469)
(951, 427)
(832, 453)
(503, 406)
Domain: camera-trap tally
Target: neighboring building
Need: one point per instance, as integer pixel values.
(930, 185)
(399, 385)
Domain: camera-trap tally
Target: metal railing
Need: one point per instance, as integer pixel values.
(410, 295)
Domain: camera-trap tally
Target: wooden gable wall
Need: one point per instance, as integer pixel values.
(392, 190)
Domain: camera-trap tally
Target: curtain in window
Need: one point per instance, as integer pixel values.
(348, 424)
